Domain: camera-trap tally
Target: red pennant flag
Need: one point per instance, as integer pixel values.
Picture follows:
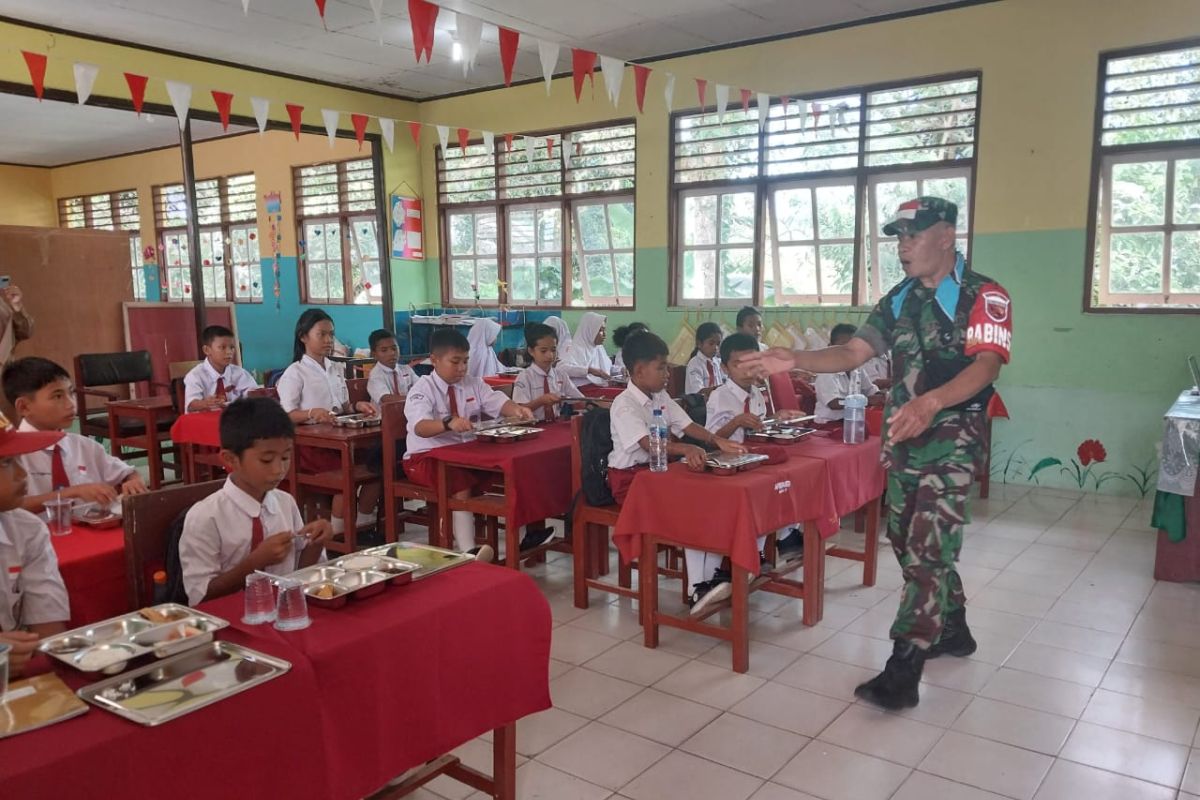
(37, 71)
(294, 113)
(359, 121)
(423, 16)
(640, 76)
(701, 89)
(583, 64)
(745, 99)
(816, 112)
(137, 89)
(224, 101)
(787, 101)
(464, 136)
(508, 52)
(549, 148)
(321, 11)
(508, 139)
(414, 130)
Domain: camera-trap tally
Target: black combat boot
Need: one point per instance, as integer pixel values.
(896, 687)
(956, 637)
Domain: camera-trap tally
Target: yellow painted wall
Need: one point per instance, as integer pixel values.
(26, 197)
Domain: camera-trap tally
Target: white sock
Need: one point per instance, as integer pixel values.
(700, 565)
(464, 530)
(365, 519)
(339, 525)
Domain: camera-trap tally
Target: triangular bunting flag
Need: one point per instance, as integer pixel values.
(489, 142)
(470, 34)
(85, 79)
(321, 11)
(583, 64)
(37, 71)
(549, 147)
(137, 90)
(566, 150)
(464, 138)
(294, 114)
(444, 137)
(509, 40)
(669, 91)
(377, 10)
(224, 101)
(613, 70)
(423, 16)
(388, 128)
(786, 102)
(528, 149)
(261, 107)
(246, 7)
(802, 110)
(330, 118)
(508, 140)
(414, 130)
(640, 76)
(764, 108)
(722, 99)
(181, 98)
(359, 121)
(701, 90)
(548, 55)
(745, 99)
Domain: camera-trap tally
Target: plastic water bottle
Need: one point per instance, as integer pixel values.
(854, 428)
(658, 442)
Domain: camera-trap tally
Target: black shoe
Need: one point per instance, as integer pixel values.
(705, 595)
(369, 537)
(896, 687)
(698, 591)
(764, 566)
(956, 637)
(535, 536)
(791, 547)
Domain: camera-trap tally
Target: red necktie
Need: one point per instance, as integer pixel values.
(256, 532)
(220, 392)
(395, 383)
(712, 375)
(746, 407)
(546, 389)
(453, 401)
(58, 470)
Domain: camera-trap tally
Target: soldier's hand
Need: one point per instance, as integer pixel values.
(912, 419)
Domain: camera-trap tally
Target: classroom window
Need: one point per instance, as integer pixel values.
(1146, 231)
(109, 211)
(227, 213)
(336, 221)
(540, 224)
(782, 213)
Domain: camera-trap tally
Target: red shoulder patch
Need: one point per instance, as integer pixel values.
(990, 324)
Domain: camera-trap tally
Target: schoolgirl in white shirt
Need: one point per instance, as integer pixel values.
(704, 372)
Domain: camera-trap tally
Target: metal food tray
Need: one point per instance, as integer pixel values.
(794, 422)
(429, 559)
(93, 516)
(110, 644)
(357, 575)
(781, 434)
(501, 422)
(168, 689)
(721, 464)
(506, 434)
(357, 421)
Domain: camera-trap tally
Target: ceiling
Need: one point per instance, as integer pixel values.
(286, 35)
(49, 133)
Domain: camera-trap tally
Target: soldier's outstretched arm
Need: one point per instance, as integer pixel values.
(840, 358)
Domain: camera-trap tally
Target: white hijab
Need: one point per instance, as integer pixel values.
(561, 330)
(483, 362)
(584, 352)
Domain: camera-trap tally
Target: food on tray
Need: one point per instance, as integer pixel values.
(100, 658)
(325, 591)
(160, 617)
(183, 632)
(359, 562)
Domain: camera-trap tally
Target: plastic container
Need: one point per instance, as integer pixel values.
(854, 427)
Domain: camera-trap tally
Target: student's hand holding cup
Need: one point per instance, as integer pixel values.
(274, 548)
(694, 457)
(23, 644)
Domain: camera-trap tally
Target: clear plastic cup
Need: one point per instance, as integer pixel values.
(4, 650)
(59, 513)
(291, 610)
(260, 599)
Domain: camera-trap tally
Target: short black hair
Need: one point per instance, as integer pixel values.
(842, 328)
(381, 335)
(536, 331)
(25, 376)
(246, 421)
(445, 339)
(745, 313)
(214, 332)
(646, 346)
(737, 343)
(622, 334)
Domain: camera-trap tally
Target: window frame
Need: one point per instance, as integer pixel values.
(1103, 158)
(120, 223)
(344, 217)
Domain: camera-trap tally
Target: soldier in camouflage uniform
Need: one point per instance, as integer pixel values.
(949, 330)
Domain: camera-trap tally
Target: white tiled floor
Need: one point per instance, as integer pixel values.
(1086, 683)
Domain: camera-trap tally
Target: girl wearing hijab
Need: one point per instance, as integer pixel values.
(586, 361)
(482, 361)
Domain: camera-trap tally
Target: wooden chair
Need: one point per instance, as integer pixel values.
(678, 380)
(148, 517)
(396, 488)
(782, 394)
(357, 388)
(176, 372)
(95, 370)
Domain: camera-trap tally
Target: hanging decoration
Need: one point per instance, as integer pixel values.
(321, 11)
(641, 75)
(669, 91)
(443, 132)
(489, 142)
(406, 228)
(36, 62)
(745, 99)
(246, 8)
(470, 34)
(137, 90)
(528, 149)
(387, 127)
(464, 138)
(181, 99)
(224, 102)
(294, 113)
(509, 40)
(548, 55)
(549, 147)
(274, 206)
(583, 64)
(377, 10)
(802, 110)
(414, 130)
(565, 149)
(330, 118)
(359, 122)
(85, 79)
(613, 70)
(508, 140)
(764, 108)
(722, 92)
(424, 22)
(261, 106)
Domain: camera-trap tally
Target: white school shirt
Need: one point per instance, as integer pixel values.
(386, 380)
(30, 583)
(630, 417)
(216, 534)
(835, 386)
(201, 382)
(728, 401)
(306, 384)
(531, 384)
(85, 460)
(696, 377)
(878, 368)
(429, 398)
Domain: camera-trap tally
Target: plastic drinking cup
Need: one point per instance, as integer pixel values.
(291, 610)
(59, 512)
(260, 599)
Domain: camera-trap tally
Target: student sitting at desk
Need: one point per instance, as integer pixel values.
(388, 376)
(442, 409)
(482, 339)
(704, 371)
(541, 386)
(749, 321)
(248, 524)
(78, 467)
(621, 335)
(313, 389)
(832, 388)
(33, 598)
(586, 361)
(216, 380)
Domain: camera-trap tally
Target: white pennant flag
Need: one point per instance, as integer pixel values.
(85, 79)
(764, 108)
(489, 141)
(802, 108)
(261, 106)
(377, 9)
(722, 100)
(246, 7)
(565, 146)
(470, 34)
(388, 128)
(548, 53)
(528, 149)
(331, 123)
(181, 98)
(614, 72)
(669, 91)
(444, 136)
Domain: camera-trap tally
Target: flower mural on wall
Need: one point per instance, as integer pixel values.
(1010, 466)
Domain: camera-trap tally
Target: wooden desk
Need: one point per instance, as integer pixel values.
(149, 411)
(344, 441)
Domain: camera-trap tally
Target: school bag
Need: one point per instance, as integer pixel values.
(595, 443)
(174, 591)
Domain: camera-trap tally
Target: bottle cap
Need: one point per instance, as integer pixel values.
(160, 576)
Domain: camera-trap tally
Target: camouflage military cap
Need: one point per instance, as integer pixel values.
(919, 213)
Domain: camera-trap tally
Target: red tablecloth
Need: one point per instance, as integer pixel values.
(375, 688)
(855, 475)
(537, 472)
(496, 381)
(600, 392)
(92, 563)
(202, 427)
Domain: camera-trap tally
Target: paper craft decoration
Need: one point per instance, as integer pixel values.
(407, 237)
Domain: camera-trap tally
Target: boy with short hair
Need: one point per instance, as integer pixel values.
(442, 409)
(216, 380)
(749, 321)
(33, 597)
(541, 386)
(388, 376)
(832, 388)
(248, 524)
(76, 467)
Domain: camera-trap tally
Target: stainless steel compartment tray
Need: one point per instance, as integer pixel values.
(428, 559)
(131, 635)
(726, 464)
(507, 433)
(357, 421)
(782, 434)
(356, 575)
(168, 689)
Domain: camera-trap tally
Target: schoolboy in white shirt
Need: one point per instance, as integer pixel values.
(216, 380)
(541, 386)
(832, 388)
(388, 376)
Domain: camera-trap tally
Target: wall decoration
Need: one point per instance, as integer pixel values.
(274, 206)
(407, 236)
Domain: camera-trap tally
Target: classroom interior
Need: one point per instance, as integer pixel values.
(728, 153)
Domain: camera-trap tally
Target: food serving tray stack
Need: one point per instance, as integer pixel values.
(783, 434)
(505, 429)
(429, 560)
(357, 421)
(332, 583)
(721, 464)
